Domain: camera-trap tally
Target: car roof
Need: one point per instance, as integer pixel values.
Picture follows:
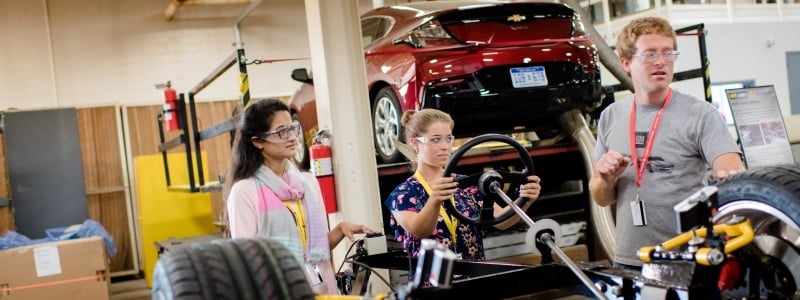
(418, 9)
(433, 6)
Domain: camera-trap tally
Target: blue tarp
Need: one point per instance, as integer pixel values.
(89, 228)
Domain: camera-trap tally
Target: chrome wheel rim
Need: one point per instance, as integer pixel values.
(300, 146)
(770, 226)
(386, 126)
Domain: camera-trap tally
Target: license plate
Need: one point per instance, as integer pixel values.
(528, 77)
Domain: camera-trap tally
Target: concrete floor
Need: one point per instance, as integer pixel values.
(134, 289)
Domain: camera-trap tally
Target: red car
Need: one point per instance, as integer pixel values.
(494, 67)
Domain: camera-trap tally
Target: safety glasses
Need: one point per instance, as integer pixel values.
(436, 139)
(282, 134)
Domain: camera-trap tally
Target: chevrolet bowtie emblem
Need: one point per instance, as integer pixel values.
(516, 18)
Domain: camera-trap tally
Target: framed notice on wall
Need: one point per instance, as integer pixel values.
(759, 124)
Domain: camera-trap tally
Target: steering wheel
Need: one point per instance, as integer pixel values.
(489, 183)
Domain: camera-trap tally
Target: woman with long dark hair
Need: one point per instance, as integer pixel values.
(267, 196)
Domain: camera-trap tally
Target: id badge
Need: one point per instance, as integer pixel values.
(638, 212)
(314, 274)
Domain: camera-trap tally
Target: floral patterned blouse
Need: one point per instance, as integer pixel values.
(411, 196)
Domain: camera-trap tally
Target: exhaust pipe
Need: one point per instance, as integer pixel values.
(573, 123)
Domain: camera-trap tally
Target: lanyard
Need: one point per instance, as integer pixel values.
(648, 146)
(449, 222)
(299, 219)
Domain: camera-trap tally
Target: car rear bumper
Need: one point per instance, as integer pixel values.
(486, 101)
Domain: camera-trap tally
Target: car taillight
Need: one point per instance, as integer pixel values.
(430, 34)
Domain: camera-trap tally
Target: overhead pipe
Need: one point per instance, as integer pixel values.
(573, 123)
(236, 30)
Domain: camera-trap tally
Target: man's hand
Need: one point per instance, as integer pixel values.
(611, 165)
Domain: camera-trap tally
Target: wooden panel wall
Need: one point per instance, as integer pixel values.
(104, 170)
(104, 176)
(144, 138)
(104, 180)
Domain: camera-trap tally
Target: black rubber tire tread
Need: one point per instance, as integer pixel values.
(206, 288)
(177, 271)
(217, 271)
(237, 269)
(161, 289)
(274, 270)
(777, 186)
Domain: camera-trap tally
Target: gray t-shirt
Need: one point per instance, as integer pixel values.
(691, 135)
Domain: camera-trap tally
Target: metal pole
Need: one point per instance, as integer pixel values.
(244, 84)
(701, 37)
(549, 241)
(575, 269)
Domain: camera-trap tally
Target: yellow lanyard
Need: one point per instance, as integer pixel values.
(449, 222)
(296, 209)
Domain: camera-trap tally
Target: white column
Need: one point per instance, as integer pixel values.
(729, 8)
(608, 36)
(343, 107)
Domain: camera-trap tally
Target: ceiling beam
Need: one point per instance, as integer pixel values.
(174, 5)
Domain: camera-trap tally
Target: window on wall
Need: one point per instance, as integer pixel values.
(594, 11)
(621, 8)
(720, 101)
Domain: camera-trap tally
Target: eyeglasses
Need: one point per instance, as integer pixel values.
(652, 56)
(436, 139)
(282, 133)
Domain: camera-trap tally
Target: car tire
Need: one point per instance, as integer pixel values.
(777, 187)
(230, 269)
(770, 198)
(386, 127)
(301, 150)
(181, 275)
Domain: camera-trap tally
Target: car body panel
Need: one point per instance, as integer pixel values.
(467, 70)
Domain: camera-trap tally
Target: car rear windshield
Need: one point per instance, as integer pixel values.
(512, 23)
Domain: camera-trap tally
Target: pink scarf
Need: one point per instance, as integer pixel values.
(291, 187)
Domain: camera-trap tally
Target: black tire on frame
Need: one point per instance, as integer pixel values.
(770, 198)
(778, 187)
(386, 127)
(228, 269)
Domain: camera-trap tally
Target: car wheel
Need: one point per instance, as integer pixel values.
(770, 198)
(230, 269)
(387, 130)
(301, 147)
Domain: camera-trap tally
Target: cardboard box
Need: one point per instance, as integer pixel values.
(578, 252)
(71, 269)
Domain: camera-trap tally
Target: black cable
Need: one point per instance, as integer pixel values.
(373, 271)
(347, 253)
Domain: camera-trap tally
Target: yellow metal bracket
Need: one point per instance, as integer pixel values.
(739, 235)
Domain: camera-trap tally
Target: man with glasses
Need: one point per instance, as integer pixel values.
(684, 135)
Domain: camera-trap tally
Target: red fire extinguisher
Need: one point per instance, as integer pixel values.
(322, 168)
(170, 108)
